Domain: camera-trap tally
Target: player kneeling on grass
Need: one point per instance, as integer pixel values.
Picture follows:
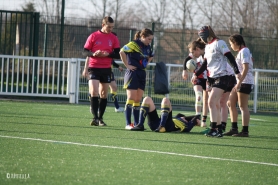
(166, 122)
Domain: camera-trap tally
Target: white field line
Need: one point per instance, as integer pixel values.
(257, 119)
(139, 150)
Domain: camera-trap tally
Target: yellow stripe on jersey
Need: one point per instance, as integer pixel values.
(132, 47)
(179, 124)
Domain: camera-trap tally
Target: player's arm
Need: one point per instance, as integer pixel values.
(184, 72)
(244, 71)
(185, 60)
(232, 61)
(87, 53)
(117, 65)
(151, 57)
(85, 71)
(115, 54)
(123, 58)
(202, 68)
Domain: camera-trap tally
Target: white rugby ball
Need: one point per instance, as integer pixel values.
(191, 65)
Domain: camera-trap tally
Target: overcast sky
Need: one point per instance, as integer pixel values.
(73, 7)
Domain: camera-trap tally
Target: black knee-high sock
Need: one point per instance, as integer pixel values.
(219, 128)
(223, 125)
(102, 107)
(204, 119)
(213, 125)
(244, 128)
(234, 126)
(94, 105)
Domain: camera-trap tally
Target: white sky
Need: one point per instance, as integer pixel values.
(73, 7)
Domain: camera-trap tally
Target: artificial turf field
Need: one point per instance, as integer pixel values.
(50, 143)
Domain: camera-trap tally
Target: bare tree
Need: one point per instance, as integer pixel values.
(100, 8)
(155, 10)
(272, 7)
(208, 10)
(51, 10)
(117, 10)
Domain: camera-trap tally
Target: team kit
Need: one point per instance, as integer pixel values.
(221, 82)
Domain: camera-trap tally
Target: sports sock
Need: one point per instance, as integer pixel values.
(234, 126)
(204, 119)
(213, 125)
(136, 111)
(102, 106)
(164, 115)
(128, 111)
(244, 128)
(223, 125)
(94, 104)
(144, 110)
(115, 99)
(219, 128)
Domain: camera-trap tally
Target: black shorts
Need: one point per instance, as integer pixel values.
(246, 88)
(101, 74)
(112, 77)
(201, 82)
(154, 121)
(219, 82)
(135, 79)
(231, 84)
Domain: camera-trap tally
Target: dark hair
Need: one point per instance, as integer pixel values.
(207, 31)
(144, 32)
(212, 33)
(237, 39)
(196, 44)
(107, 19)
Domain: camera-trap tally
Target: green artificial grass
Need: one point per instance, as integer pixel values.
(54, 144)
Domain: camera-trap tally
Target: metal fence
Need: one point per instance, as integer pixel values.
(37, 77)
(54, 78)
(24, 33)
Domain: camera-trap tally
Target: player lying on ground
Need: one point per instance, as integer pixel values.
(166, 122)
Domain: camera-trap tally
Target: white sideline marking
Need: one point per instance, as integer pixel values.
(140, 150)
(257, 119)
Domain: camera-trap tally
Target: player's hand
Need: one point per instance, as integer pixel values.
(237, 87)
(193, 79)
(96, 53)
(130, 67)
(100, 53)
(104, 53)
(120, 68)
(85, 73)
(184, 74)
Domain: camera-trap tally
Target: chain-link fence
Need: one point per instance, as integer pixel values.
(43, 36)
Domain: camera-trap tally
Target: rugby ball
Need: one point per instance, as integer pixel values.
(191, 65)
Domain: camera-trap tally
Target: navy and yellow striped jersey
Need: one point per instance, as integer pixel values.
(137, 53)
